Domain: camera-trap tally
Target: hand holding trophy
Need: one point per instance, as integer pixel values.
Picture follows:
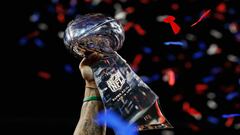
(120, 88)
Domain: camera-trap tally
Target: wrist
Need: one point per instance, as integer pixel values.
(91, 91)
(90, 84)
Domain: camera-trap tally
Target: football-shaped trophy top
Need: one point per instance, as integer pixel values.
(93, 33)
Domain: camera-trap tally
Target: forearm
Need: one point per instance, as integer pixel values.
(86, 124)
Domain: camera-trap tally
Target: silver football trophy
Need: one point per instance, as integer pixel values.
(120, 88)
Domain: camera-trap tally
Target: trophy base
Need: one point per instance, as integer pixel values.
(153, 119)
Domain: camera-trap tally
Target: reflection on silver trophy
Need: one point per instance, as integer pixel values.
(120, 88)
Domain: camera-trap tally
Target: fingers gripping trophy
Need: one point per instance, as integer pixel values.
(120, 88)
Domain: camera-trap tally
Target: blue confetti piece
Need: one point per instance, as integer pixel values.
(147, 50)
(187, 18)
(178, 43)
(171, 57)
(54, 1)
(231, 11)
(155, 77)
(213, 120)
(232, 95)
(68, 68)
(23, 41)
(73, 3)
(197, 55)
(230, 115)
(114, 121)
(71, 11)
(35, 17)
(51, 9)
(38, 42)
(216, 70)
(208, 79)
(146, 79)
(202, 45)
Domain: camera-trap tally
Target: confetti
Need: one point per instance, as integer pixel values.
(174, 43)
(128, 25)
(34, 17)
(212, 104)
(68, 68)
(175, 27)
(136, 61)
(171, 77)
(115, 122)
(43, 74)
(230, 115)
(213, 120)
(229, 122)
(221, 8)
(38, 42)
(191, 111)
(23, 41)
(139, 30)
(205, 14)
(201, 88)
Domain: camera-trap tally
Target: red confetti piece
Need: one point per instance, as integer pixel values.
(229, 122)
(45, 75)
(128, 25)
(87, 1)
(59, 8)
(33, 34)
(219, 16)
(186, 106)
(194, 127)
(237, 106)
(229, 89)
(191, 111)
(61, 18)
(171, 77)
(204, 15)
(139, 29)
(60, 13)
(201, 88)
(136, 61)
(155, 59)
(108, 1)
(175, 27)
(177, 98)
(145, 1)
(175, 6)
(237, 69)
(188, 65)
(221, 8)
(130, 10)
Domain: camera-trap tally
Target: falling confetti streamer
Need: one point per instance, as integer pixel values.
(230, 115)
(205, 14)
(115, 122)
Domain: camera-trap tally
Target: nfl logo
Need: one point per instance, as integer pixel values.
(116, 81)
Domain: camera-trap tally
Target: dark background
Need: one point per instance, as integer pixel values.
(50, 104)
